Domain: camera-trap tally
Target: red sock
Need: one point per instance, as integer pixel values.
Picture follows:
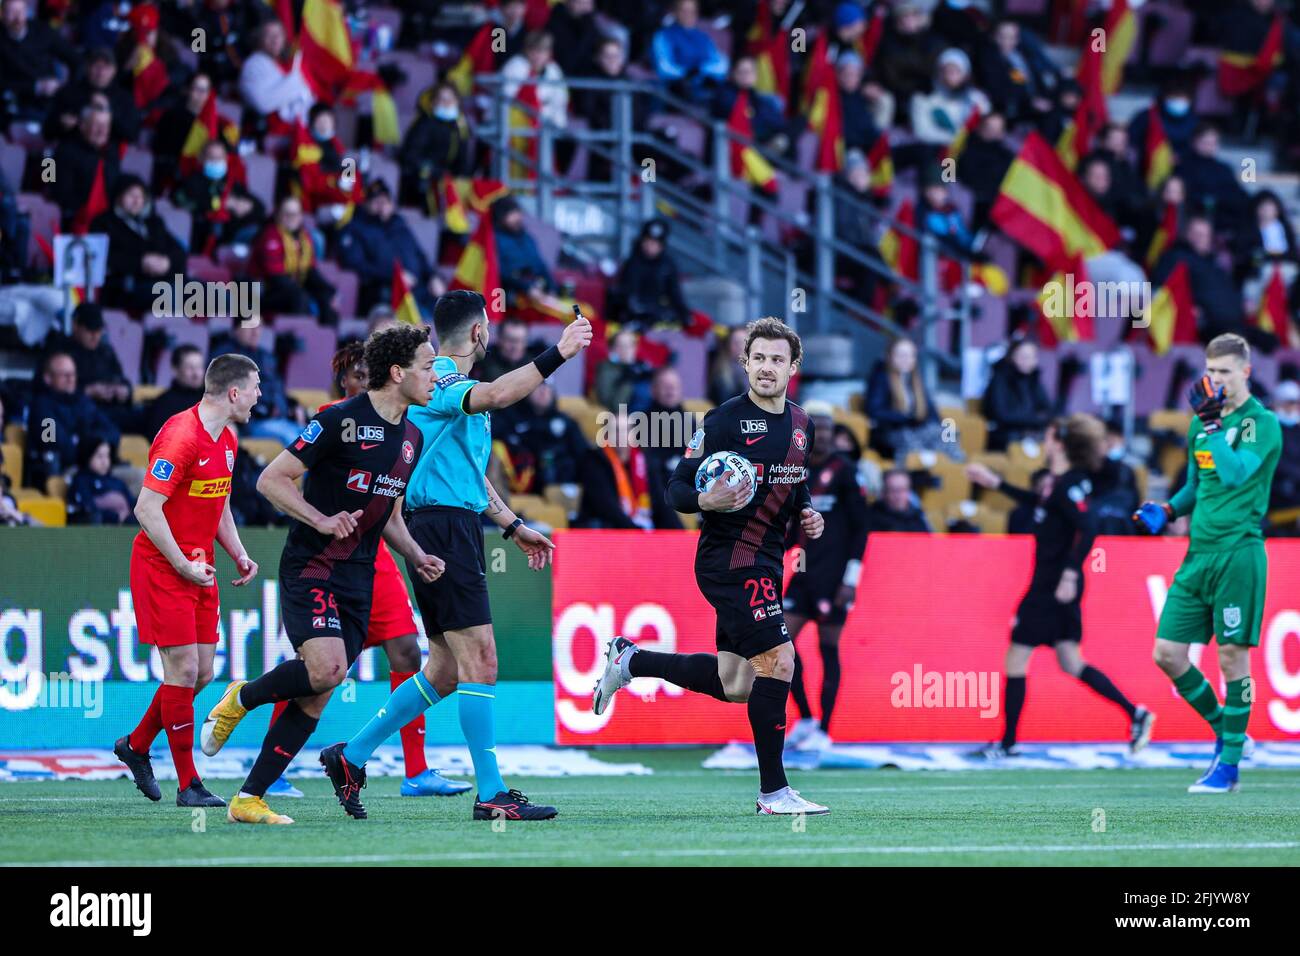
(412, 734)
(178, 721)
(280, 705)
(151, 723)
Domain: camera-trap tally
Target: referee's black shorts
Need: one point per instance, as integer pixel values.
(459, 598)
(1042, 620)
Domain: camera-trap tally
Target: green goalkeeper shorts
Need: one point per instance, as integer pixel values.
(1220, 594)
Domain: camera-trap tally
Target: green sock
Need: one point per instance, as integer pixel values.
(1236, 715)
(1196, 690)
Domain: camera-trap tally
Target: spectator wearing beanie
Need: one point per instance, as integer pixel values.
(141, 252)
(648, 290)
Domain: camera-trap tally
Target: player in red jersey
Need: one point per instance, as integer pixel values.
(391, 624)
(184, 510)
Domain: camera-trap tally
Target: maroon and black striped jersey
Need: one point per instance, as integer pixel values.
(778, 446)
(356, 461)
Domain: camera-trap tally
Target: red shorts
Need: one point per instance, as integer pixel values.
(390, 608)
(170, 611)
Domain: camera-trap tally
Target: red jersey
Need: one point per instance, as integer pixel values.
(194, 472)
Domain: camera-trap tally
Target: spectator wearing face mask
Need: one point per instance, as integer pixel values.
(1286, 480)
(436, 145)
(141, 252)
(1176, 118)
(223, 212)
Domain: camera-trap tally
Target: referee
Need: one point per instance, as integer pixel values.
(447, 495)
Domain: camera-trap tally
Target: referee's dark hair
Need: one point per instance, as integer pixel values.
(456, 311)
(226, 371)
(1084, 438)
(389, 347)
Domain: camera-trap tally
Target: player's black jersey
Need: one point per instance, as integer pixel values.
(1063, 528)
(778, 447)
(356, 461)
(834, 492)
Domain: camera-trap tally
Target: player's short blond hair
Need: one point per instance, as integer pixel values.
(773, 328)
(1229, 343)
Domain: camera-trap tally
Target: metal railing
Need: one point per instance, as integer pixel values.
(713, 242)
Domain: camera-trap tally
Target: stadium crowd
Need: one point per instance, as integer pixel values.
(350, 192)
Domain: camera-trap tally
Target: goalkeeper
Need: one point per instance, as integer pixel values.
(1233, 446)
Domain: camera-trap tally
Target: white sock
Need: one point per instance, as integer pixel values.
(243, 795)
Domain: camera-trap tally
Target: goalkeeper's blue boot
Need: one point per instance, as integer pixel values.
(432, 784)
(1220, 778)
(282, 788)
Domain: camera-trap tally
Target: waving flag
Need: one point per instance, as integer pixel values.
(1090, 115)
(403, 302)
(478, 269)
(1121, 36)
(1272, 314)
(881, 161)
(1241, 71)
(96, 203)
(1066, 307)
(1171, 319)
(770, 48)
(477, 58)
(1157, 154)
(747, 162)
(898, 248)
(1163, 237)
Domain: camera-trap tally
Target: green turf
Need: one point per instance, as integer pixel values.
(686, 815)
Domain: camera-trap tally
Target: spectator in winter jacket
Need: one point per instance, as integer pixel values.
(937, 215)
(99, 372)
(939, 115)
(284, 258)
(1015, 403)
(536, 65)
(30, 52)
(523, 270)
(1212, 182)
(1266, 239)
(648, 290)
(623, 379)
(903, 415)
(222, 210)
(727, 377)
(225, 25)
(619, 488)
(546, 446)
(436, 145)
(908, 53)
(1017, 74)
(685, 57)
(275, 415)
(897, 508)
(374, 241)
(141, 252)
(59, 419)
(1176, 118)
(1216, 296)
(509, 350)
(184, 392)
(983, 165)
(75, 95)
(573, 27)
(78, 159)
(95, 495)
(272, 87)
(860, 126)
(766, 112)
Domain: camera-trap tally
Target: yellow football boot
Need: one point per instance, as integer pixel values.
(222, 719)
(253, 810)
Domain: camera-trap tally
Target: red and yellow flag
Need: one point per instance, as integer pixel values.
(207, 126)
(830, 148)
(1171, 320)
(478, 269)
(477, 58)
(1163, 237)
(1243, 71)
(96, 203)
(1121, 32)
(1272, 314)
(957, 145)
(1157, 154)
(898, 248)
(1045, 209)
(1089, 116)
(1066, 308)
(747, 162)
(770, 49)
(869, 42)
(460, 195)
(327, 56)
(881, 161)
(525, 116)
(403, 302)
(149, 76)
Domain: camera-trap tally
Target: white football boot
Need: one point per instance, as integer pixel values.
(787, 802)
(803, 728)
(817, 741)
(615, 676)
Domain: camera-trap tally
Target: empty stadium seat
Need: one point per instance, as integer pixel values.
(13, 463)
(266, 449)
(310, 398)
(134, 449)
(51, 512)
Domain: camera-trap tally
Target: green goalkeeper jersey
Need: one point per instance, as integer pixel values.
(1228, 478)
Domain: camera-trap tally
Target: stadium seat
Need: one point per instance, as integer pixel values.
(147, 393)
(13, 463)
(346, 284)
(856, 422)
(261, 178)
(44, 216)
(264, 449)
(697, 406)
(127, 339)
(56, 486)
(568, 497)
(583, 412)
(13, 163)
(309, 368)
(1170, 420)
(140, 162)
(178, 221)
(15, 434)
(427, 231)
(51, 512)
(135, 450)
(310, 398)
(381, 167)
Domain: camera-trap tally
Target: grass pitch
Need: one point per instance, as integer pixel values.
(684, 815)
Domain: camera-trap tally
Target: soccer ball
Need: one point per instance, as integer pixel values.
(729, 464)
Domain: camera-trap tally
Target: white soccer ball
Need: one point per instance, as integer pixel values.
(727, 466)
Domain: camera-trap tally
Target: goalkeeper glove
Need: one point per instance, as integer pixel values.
(1152, 517)
(1207, 403)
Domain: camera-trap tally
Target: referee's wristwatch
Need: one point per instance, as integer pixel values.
(514, 526)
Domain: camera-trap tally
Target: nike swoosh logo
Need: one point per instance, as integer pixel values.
(203, 461)
(283, 753)
(1234, 631)
(365, 447)
(750, 441)
(182, 726)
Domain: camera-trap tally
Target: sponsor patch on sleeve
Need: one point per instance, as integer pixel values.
(162, 469)
(311, 432)
(695, 444)
(451, 379)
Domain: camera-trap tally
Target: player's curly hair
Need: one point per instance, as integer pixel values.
(347, 358)
(773, 328)
(1084, 438)
(389, 347)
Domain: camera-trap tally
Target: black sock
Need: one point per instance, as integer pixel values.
(767, 721)
(697, 672)
(1102, 685)
(797, 689)
(830, 681)
(288, 680)
(286, 737)
(1015, 700)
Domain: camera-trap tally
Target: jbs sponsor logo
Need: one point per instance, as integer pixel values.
(370, 433)
(753, 426)
(209, 487)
